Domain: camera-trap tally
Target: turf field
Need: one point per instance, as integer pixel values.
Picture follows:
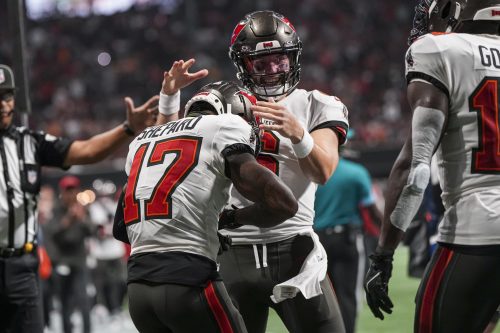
(402, 292)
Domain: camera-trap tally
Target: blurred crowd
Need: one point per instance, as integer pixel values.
(82, 67)
(82, 267)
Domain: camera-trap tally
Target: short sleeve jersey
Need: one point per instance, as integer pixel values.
(177, 184)
(314, 110)
(466, 68)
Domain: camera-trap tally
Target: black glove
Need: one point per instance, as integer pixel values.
(376, 283)
(225, 243)
(226, 219)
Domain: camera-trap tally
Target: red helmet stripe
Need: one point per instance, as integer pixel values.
(287, 21)
(237, 31)
(252, 98)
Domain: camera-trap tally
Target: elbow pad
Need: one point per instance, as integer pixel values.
(411, 197)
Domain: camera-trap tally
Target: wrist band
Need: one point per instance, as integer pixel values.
(305, 146)
(169, 104)
(128, 130)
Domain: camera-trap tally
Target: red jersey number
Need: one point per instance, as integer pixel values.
(484, 101)
(270, 144)
(159, 205)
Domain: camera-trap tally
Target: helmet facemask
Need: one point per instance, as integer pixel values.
(264, 34)
(270, 82)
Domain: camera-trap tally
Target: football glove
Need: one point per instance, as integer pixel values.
(224, 243)
(226, 219)
(376, 283)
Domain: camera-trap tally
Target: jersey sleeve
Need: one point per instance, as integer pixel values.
(130, 156)
(329, 112)
(51, 149)
(234, 136)
(424, 61)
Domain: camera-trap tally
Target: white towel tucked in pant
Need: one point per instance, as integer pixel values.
(312, 272)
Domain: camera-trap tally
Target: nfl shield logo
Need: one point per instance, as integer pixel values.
(2, 76)
(32, 176)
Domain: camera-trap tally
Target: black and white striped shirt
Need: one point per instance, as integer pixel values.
(22, 154)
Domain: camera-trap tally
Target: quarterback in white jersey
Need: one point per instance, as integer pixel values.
(179, 177)
(300, 145)
(313, 110)
(453, 74)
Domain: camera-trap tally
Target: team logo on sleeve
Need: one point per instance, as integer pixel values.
(345, 112)
(409, 59)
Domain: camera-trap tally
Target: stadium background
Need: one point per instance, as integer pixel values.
(86, 55)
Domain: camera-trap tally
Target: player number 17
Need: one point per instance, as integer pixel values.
(159, 205)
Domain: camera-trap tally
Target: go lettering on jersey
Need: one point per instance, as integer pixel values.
(490, 57)
(159, 205)
(485, 100)
(270, 145)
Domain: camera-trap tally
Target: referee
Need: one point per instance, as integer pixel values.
(22, 154)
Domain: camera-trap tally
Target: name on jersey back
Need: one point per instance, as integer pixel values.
(487, 58)
(168, 128)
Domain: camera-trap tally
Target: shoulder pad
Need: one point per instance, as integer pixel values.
(325, 99)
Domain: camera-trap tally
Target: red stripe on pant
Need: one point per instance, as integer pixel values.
(431, 290)
(217, 309)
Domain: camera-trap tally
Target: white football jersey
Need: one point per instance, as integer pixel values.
(177, 185)
(467, 68)
(314, 110)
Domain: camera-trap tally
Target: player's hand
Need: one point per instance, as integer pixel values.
(284, 122)
(226, 219)
(224, 243)
(376, 284)
(142, 116)
(179, 77)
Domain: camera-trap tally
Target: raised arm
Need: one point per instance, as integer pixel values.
(273, 200)
(406, 185)
(102, 145)
(176, 78)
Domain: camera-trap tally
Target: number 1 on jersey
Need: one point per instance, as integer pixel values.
(484, 101)
(159, 205)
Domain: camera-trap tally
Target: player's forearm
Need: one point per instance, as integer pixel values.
(261, 216)
(390, 236)
(274, 201)
(319, 166)
(97, 147)
(321, 162)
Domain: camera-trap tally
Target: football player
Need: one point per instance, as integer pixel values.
(179, 177)
(453, 74)
(303, 130)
